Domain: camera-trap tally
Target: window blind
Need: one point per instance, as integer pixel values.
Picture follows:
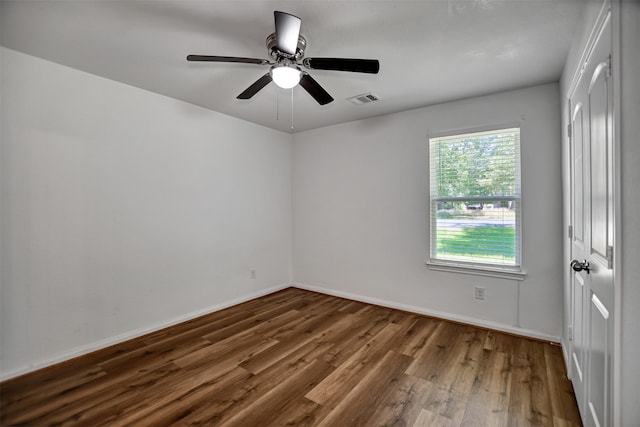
(475, 197)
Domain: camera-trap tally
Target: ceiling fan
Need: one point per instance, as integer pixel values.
(286, 48)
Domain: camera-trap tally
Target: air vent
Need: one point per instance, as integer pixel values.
(365, 98)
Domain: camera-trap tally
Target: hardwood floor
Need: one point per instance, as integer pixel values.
(300, 358)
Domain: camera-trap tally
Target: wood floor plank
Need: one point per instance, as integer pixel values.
(301, 358)
(338, 384)
(302, 413)
(117, 399)
(252, 321)
(250, 339)
(563, 401)
(69, 403)
(437, 351)
(287, 297)
(353, 307)
(317, 320)
(26, 384)
(461, 370)
(197, 329)
(427, 418)
(282, 398)
(46, 390)
(505, 343)
(170, 410)
(418, 336)
(529, 403)
(488, 403)
(458, 375)
(403, 404)
(561, 422)
(541, 403)
(302, 334)
(356, 406)
(367, 324)
(231, 400)
(226, 352)
(148, 357)
(489, 341)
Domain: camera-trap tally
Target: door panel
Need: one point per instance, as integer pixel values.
(579, 247)
(578, 176)
(598, 115)
(592, 220)
(578, 331)
(600, 349)
(599, 362)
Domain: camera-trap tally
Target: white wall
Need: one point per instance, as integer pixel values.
(626, 28)
(360, 212)
(123, 210)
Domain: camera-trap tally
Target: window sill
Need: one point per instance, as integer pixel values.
(502, 273)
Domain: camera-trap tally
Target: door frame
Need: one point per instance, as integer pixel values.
(614, 7)
(617, 212)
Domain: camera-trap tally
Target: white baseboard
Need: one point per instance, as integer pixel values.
(433, 313)
(98, 345)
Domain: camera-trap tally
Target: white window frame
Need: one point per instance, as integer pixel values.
(515, 272)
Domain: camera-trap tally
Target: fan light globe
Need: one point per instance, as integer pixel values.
(286, 77)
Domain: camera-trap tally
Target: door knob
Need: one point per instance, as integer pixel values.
(579, 266)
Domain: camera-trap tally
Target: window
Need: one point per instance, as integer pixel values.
(475, 199)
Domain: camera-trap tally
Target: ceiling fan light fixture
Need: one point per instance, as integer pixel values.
(286, 77)
(286, 48)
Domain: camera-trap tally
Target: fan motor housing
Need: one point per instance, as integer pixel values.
(276, 54)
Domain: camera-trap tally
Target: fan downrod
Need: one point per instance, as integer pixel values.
(277, 54)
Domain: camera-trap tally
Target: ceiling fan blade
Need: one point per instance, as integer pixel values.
(212, 58)
(315, 90)
(371, 66)
(255, 87)
(287, 32)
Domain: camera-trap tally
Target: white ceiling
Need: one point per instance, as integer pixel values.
(429, 51)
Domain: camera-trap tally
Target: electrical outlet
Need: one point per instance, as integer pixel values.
(253, 273)
(479, 292)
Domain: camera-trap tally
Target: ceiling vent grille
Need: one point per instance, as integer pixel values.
(365, 98)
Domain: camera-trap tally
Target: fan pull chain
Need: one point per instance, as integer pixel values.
(292, 128)
(277, 105)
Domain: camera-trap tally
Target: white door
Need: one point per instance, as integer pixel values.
(592, 238)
